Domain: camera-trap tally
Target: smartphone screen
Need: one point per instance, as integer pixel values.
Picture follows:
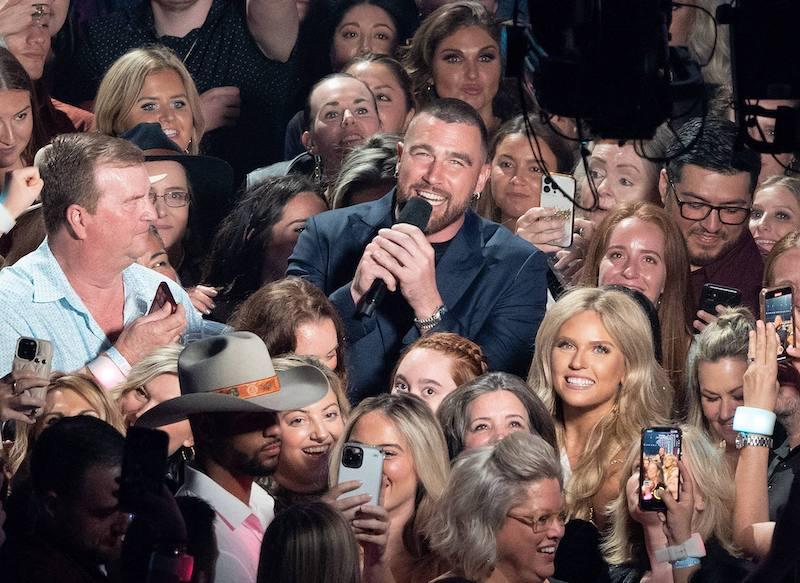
(658, 471)
(777, 307)
(163, 296)
(558, 192)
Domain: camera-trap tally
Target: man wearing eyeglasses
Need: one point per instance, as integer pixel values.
(81, 289)
(708, 186)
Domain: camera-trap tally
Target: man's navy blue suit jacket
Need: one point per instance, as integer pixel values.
(492, 282)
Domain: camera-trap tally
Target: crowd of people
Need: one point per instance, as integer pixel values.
(213, 313)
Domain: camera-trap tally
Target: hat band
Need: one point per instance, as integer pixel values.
(253, 389)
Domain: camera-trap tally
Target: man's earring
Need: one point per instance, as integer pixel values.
(396, 171)
(476, 196)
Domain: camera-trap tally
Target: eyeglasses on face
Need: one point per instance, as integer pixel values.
(171, 198)
(697, 211)
(541, 523)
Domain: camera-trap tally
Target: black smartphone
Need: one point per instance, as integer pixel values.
(777, 306)
(713, 295)
(163, 296)
(144, 465)
(658, 467)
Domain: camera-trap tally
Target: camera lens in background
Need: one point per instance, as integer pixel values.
(352, 456)
(26, 349)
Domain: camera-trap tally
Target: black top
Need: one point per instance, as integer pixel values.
(783, 465)
(220, 53)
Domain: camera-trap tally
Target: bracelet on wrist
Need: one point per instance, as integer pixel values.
(754, 420)
(693, 547)
(427, 324)
(685, 563)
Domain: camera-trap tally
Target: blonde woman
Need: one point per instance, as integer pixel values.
(307, 437)
(152, 85)
(596, 372)
(706, 499)
(152, 380)
(715, 371)
(68, 395)
(415, 469)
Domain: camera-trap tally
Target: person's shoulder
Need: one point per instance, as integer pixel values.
(500, 241)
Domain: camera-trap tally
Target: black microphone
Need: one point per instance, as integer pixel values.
(416, 212)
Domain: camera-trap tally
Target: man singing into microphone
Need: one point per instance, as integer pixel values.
(463, 274)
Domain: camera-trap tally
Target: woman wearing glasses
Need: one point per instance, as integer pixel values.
(513, 534)
(190, 195)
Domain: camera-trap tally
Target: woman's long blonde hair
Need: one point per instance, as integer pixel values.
(624, 540)
(644, 398)
(416, 422)
(123, 82)
(83, 385)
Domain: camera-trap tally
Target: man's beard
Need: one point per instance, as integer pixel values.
(705, 258)
(250, 464)
(451, 213)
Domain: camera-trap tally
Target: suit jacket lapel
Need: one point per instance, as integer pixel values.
(462, 262)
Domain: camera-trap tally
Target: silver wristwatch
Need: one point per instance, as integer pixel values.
(755, 439)
(427, 324)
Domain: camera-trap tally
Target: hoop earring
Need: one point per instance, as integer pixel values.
(476, 196)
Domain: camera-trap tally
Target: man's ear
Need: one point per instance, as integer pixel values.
(308, 143)
(663, 186)
(483, 177)
(76, 220)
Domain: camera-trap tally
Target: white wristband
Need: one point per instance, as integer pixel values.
(754, 420)
(693, 547)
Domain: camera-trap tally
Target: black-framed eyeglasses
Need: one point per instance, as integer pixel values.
(541, 523)
(171, 198)
(698, 211)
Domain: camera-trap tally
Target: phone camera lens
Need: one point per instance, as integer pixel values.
(27, 349)
(352, 456)
(547, 188)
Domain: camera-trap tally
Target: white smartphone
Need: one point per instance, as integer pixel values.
(34, 355)
(365, 464)
(558, 191)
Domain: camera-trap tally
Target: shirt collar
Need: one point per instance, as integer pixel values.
(229, 507)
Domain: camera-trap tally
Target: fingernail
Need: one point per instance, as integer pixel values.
(207, 312)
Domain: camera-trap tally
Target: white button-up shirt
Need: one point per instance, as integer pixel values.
(239, 527)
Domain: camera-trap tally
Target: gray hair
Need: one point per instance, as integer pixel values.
(367, 165)
(463, 532)
(454, 419)
(728, 337)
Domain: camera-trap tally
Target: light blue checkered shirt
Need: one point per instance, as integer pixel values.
(37, 300)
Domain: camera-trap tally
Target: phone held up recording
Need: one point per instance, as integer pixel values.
(34, 355)
(658, 467)
(365, 464)
(558, 192)
(777, 306)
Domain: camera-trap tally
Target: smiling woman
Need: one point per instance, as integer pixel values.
(150, 85)
(415, 468)
(16, 114)
(639, 246)
(595, 370)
